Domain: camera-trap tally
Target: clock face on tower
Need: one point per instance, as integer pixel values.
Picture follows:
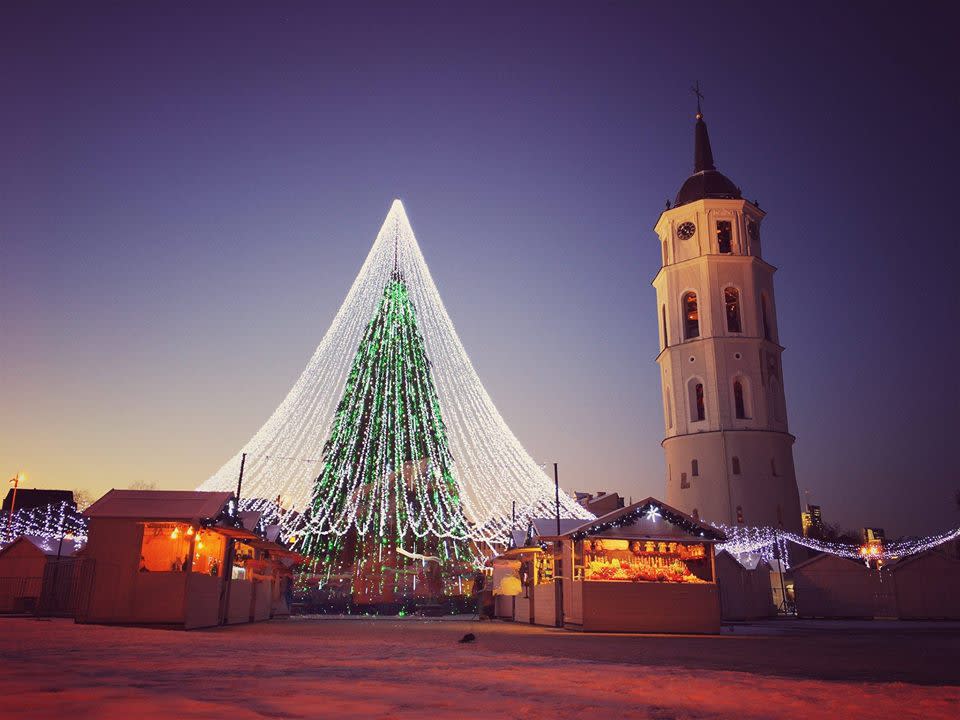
(686, 230)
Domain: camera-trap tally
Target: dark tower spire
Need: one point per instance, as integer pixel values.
(702, 154)
(706, 181)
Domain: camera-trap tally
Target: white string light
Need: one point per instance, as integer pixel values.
(50, 522)
(769, 543)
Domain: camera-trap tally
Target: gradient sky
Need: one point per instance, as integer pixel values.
(187, 194)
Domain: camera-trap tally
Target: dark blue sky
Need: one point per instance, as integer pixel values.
(187, 193)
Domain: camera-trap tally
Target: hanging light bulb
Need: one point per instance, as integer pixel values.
(175, 533)
(190, 530)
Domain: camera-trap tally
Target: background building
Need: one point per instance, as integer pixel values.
(728, 450)
(812, 522)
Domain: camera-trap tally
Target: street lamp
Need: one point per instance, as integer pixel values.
(15, 482)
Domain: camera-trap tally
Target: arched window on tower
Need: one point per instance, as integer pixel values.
(691, 316)
(695, 468)
(724, 236)
(697, 403)
(663, 316)
(669, 410)
(731, 298)
(765, 317)
(664, 252)
(736, 465)
(738, 403)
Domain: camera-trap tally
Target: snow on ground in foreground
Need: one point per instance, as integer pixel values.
(317, 670)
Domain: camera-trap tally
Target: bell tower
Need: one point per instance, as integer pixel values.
(728, 450)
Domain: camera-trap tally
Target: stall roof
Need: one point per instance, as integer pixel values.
(249, 518)
(182, 505)
(547, 527)
(648, 519)
(943, 549)
(846, 562)
(48, 546)
(748, 561)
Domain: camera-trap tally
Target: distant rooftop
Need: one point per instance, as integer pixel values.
(34, 498)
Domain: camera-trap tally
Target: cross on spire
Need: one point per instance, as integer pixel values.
(696, 91)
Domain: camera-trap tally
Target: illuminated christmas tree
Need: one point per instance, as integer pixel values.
(386, 490)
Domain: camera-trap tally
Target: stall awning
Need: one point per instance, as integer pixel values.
(235, 533)
(277, 550)
(520, 551)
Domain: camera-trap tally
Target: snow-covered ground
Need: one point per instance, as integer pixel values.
(380, 668)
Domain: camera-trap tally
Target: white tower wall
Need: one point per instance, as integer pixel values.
(729, 467)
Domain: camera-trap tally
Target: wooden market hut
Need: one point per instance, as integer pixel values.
(642, 568)
(836, 587)
(745, 590)
(928, 584)
(177, 558)
(23, 564)
(535, 600)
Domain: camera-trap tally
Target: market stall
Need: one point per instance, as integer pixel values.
(513, 582)
(928, 584)
(175, 558)
(838, 587)
(745, 590)
(642, 568)
(23, 565)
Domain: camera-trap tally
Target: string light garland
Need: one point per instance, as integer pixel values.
(54, 521)
(476, 473)
(49, 522)
(771, 544)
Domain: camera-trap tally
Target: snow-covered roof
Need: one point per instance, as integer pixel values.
(650, 518)
(48, 546)
(748, 561)
(182, 505)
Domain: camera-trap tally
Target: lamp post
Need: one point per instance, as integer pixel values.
(15, 481)
(558, 553)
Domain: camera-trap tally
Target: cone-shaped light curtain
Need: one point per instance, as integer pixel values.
(489, 468)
